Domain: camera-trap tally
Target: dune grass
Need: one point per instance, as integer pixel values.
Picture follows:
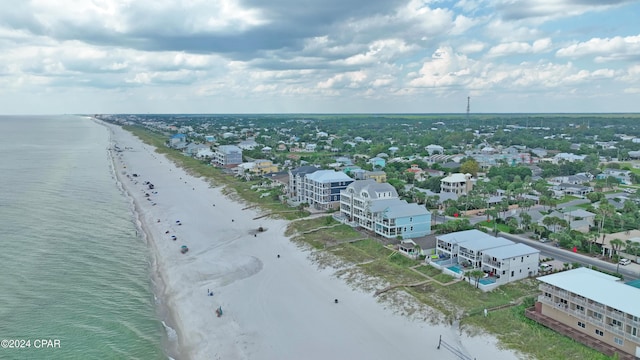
(458, 301)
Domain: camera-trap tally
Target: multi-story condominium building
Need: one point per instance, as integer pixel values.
(457, 183)
(322, 188)
(295, 192)
(377, 207)
(593, 308)
(227, 155)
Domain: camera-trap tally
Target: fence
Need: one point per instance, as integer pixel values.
(453, 349)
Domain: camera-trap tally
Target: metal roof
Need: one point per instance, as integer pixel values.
(512, 250)
(597, 286)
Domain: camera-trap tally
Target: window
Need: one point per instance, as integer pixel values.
(547, 294)
(580, 308)
(563, 301)
(599, 332)
(618, 341)
(617, 323)
(512, 273)
(581, 324)
(597, 315)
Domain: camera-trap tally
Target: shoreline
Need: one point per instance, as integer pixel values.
(273, 307)
(170, 340)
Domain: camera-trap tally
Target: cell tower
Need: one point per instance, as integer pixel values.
(468, 108)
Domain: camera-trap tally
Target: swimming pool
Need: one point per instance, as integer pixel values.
(455, 268)
(487, 281)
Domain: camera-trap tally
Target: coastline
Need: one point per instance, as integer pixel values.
(166, 316)
(273, 308)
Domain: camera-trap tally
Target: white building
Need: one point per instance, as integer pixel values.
(592, 308)
(322, 188)
(457, 183)
(227, 155)
(377, 207)
(511, 262)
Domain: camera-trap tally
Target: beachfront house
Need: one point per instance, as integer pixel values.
(470, 251)
(404, 220)
(322, 188)
(377, 207)
(501, 259)
(510, 262)
(295, 191)
(226, 155)
(447, 245)
(263, 166)
(178, 141)
(593, 308)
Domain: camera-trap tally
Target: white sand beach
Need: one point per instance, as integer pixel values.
(273, 308)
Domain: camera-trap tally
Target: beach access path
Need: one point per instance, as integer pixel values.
(273, 307)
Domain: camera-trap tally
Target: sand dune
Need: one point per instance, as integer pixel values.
(273, 308)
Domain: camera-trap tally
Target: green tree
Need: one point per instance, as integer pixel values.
(616, 244)
(470, 167)
(476, 275)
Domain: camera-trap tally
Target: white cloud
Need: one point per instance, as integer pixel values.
(507, 49)
(444, 69)
(607, 49)
(369, 54)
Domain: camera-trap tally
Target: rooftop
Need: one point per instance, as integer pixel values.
(512, 250)
(597, 286)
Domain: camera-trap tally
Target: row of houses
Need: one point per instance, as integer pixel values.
(365, 203)
(502, 260)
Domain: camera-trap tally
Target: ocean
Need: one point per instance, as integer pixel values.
(75, 275)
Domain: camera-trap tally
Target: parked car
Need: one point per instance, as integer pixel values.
(624, 261)
(544, 240)
(546, 267)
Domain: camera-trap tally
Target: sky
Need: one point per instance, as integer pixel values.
(319, 56)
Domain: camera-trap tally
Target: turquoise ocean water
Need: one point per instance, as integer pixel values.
(72, 266)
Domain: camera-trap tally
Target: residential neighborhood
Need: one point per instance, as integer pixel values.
(476, 201)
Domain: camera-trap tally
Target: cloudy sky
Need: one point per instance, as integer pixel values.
(319, 56)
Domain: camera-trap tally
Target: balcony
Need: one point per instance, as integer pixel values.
(615, 315)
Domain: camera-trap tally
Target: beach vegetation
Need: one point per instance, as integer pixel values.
(364, 261)
(368, 264)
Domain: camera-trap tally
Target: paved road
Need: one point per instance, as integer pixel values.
(630, 272)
